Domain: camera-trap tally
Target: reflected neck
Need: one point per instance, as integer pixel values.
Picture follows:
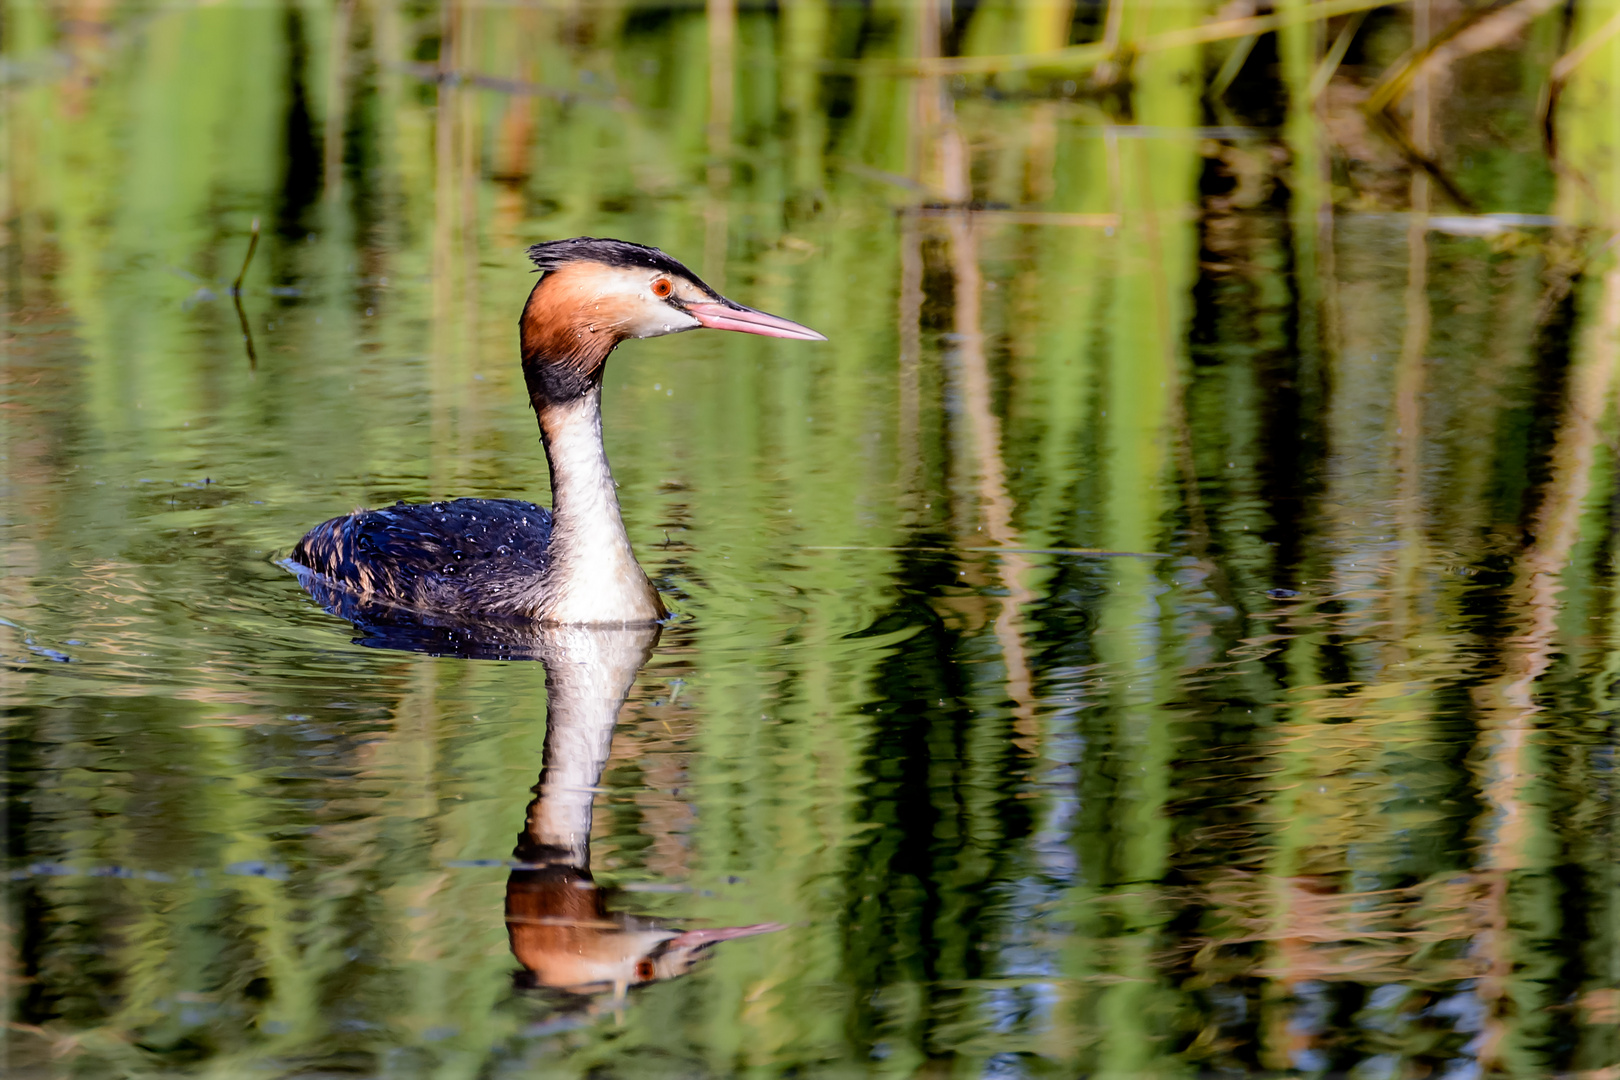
(589, 673)
(592, 576)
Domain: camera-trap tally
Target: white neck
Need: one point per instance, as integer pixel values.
(592, 576)
(588, 674)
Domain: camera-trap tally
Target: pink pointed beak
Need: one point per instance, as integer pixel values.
(729, 316)
(694, 938)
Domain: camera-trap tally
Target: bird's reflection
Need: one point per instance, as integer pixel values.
(381, 625)
(562, 928)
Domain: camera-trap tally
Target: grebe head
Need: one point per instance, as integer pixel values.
(567, 938)
(596, 293)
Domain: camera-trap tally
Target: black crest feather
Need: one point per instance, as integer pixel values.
(555, 254)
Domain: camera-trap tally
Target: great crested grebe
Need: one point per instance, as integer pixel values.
(563, 928)
(509, 559)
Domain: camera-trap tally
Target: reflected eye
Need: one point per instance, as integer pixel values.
(662, 288)
(644, 968)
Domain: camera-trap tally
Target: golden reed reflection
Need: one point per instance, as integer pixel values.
(943, 159)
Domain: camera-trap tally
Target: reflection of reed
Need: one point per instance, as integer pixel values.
(995, 504)
(666, 756)
(1411, 558)
(514, 136)
(722, 28)
(722, 31)
(1323, 932)
(468, 176)
(337, 89)
(804, 33)
(926, 98)
(1311, 200)
(387, 42)
(978, 398)
(1508, 704)
(1175, 398)
(1040, 154)
(1409, 369)
(446, 111)
(911, 304)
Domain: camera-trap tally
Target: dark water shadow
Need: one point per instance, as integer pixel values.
(388, 626)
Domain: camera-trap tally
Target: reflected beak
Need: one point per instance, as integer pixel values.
(695, 938)
(728, 316)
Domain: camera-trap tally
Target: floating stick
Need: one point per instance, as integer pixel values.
(236, 296)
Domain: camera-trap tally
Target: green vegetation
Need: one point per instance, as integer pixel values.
(1318, 777)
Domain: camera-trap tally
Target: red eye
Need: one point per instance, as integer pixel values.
(662, 288)
(645, 970)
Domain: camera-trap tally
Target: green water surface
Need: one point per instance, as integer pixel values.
(1171, 628)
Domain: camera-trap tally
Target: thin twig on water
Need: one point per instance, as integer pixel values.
(1559, 75)
(236, 297)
